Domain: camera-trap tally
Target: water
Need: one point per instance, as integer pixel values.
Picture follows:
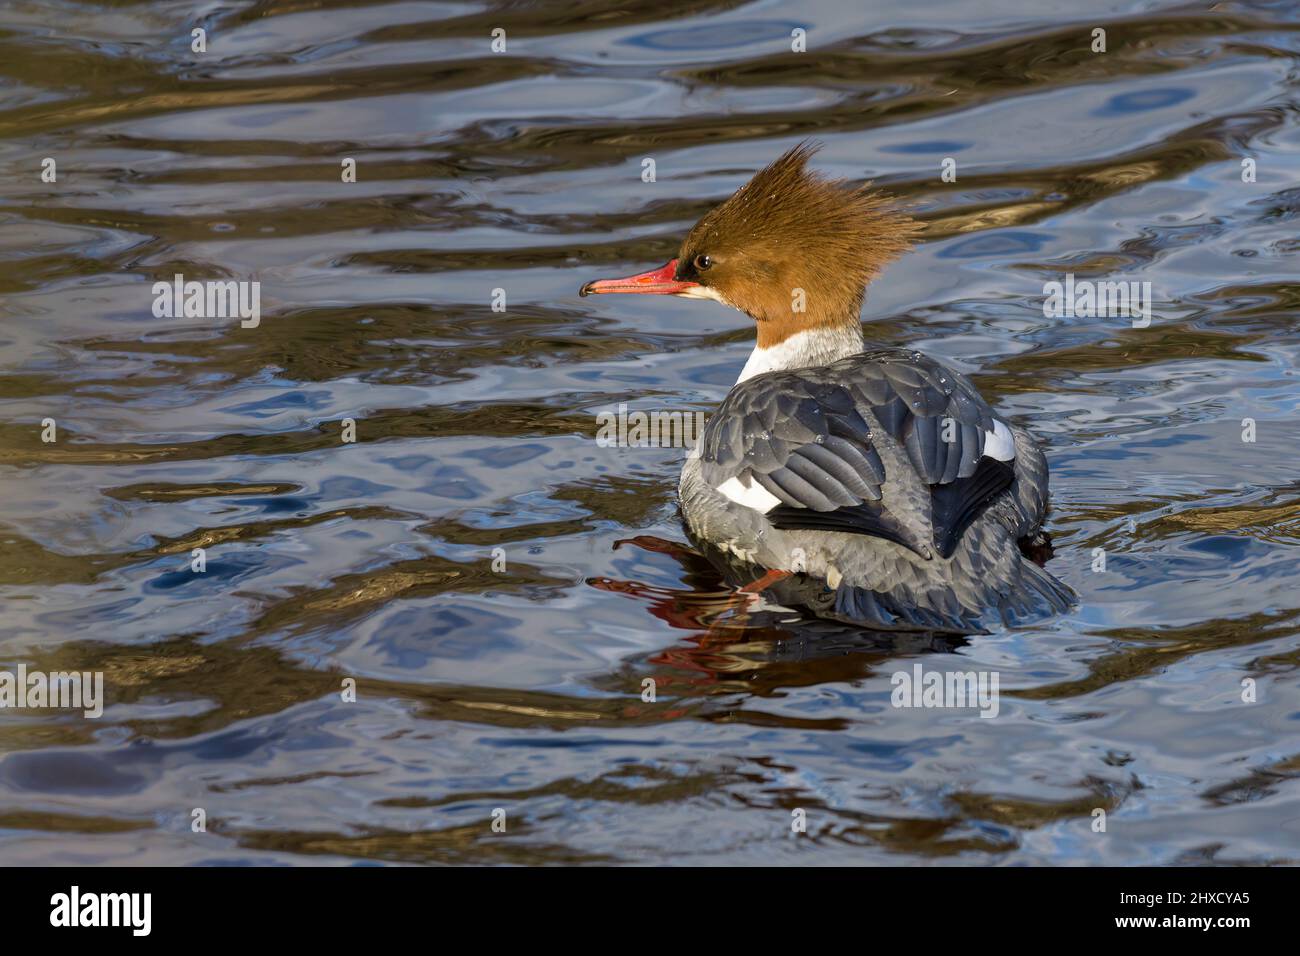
(521, 690)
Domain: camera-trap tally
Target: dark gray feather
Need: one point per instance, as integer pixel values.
(806, 436)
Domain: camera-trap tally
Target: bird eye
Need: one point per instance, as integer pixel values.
(702, 262)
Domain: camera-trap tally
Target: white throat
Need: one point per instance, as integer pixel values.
(819, 346)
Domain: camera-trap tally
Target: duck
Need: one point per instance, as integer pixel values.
(867, 482)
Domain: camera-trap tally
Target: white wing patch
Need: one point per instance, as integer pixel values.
(999, 443)
(755, 496)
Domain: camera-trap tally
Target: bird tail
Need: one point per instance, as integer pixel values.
(1032, 595)
(1038, 595)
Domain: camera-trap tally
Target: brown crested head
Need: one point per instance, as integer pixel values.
(790, 248)
(790, 234)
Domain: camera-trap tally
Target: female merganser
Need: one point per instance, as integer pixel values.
(877, 477)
